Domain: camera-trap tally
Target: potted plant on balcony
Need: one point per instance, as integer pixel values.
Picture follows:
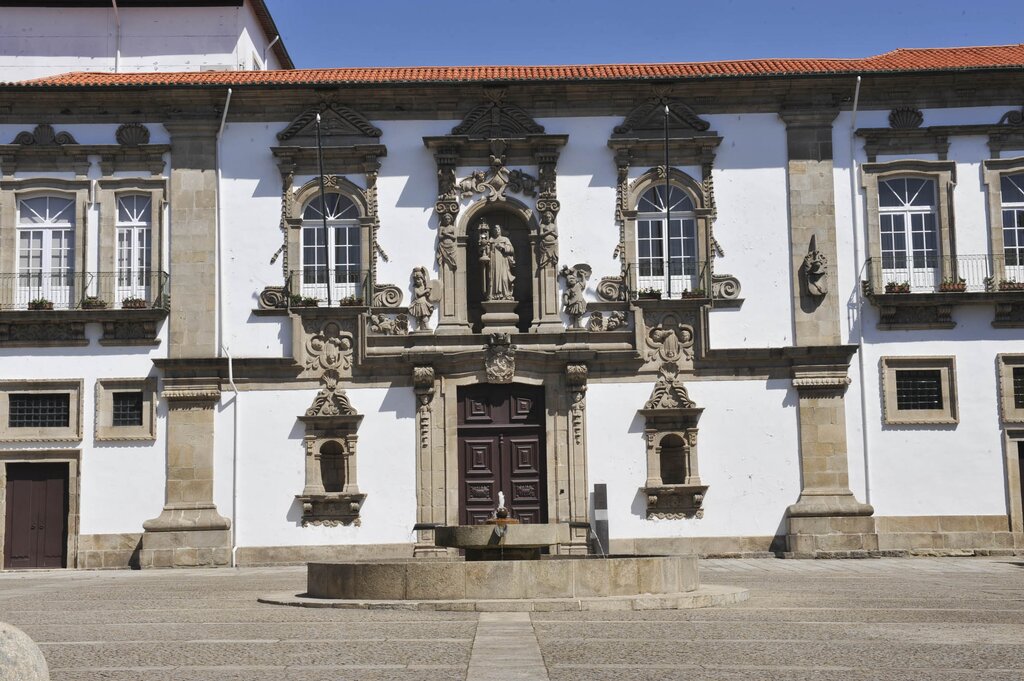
(897, 287)
(133, 303)
(648, 293)
(93, 303)
(1011, 285)
(295, 300)
(40, 304)
(350, 301)
(695, 293)
(951, 285)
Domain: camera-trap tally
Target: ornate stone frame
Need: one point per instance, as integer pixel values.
(704, 218)
(105, 431)
(73, 431)
(992, 171)
(72, 458)
(1006, 363)
(943, 173)
(320, 507)
(10, 193)
(948, 415)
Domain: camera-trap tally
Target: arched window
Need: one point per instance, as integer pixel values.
(666, 255)
(345, 277)
(134, 246)
(1012, 199)
(46, 250)
(908, 229)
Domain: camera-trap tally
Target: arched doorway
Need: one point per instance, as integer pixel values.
(518, 232)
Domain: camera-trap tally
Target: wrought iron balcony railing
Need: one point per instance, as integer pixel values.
(43, 290)
(309, 286)
(667, 279)
(941, 274)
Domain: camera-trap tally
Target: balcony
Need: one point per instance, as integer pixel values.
(920, 292)
(39, 309)
(678, 280)
(309, 288)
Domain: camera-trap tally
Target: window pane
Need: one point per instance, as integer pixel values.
(1012, 188)
(127, 409)
(46, 410)
(918, 389)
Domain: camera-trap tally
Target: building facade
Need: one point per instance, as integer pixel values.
(771, 307)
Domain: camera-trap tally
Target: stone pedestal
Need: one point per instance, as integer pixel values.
(500, 316)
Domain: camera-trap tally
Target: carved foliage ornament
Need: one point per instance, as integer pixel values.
(669, 391)
(385, 325)
(423, 386)
(668, 339)
(500, 359)
(331, 400)
(576, 379)
(43, 136)
(615, 321)
(329, 348)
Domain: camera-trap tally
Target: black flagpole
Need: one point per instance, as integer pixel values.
(668, 211)
(323, 208)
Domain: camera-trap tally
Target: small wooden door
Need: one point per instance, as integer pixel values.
(501, 448)
(35, 534)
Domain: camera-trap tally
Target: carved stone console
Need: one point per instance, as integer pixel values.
(674, 489)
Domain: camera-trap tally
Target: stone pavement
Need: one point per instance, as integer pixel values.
(925, 619)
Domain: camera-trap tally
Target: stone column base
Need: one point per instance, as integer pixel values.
(500, 316)
(831, 537)
(194, 536)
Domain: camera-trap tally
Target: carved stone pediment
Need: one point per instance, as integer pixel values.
(43, 136)
(332, 402)
(669, 392)
(648, 119)
(495, 118)
(339, 126)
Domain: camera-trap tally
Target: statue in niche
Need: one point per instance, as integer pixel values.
(498, 263)
(574, 303)
(447, 245)
(547, 245)
(425, 294)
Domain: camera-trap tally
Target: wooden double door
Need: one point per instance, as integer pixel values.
(501, 449)
(35, 526)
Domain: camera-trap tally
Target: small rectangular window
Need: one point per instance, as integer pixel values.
(1018, 387)
(918, 389)
(39, 410)
(127, 409)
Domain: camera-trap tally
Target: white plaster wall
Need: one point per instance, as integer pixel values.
(752, 471)
(271, 467)
(37, 42)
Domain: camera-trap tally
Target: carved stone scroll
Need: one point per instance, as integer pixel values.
(43, 136)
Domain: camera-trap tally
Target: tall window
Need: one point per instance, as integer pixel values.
(909, 236)
(1012, 197)
(46, 250)
(134, 246)
(666, 256)
(343, 240)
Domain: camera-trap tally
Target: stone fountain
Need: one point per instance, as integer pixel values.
(505, 569)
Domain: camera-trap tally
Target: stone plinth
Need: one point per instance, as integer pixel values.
(500, 316)
(502, 541)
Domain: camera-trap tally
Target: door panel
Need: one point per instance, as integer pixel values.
(36, 518)
(501, 448)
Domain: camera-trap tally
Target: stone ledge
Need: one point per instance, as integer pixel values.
(706, 596)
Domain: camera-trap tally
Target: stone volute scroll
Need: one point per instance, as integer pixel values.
(331, 493)
(674, 489)
(426, 293)
(573, 302)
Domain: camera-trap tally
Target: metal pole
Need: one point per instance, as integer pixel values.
(323, 208)
(668, 212)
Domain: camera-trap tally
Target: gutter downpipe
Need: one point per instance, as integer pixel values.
(267, 49)
(858, 256)
(117, 38)
(222, 350)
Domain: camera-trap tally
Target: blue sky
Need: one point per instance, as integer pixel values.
(323, 33)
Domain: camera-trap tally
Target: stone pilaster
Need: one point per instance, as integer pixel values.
(189, 532)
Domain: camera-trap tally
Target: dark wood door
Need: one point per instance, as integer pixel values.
(35, 534)
(501, 448)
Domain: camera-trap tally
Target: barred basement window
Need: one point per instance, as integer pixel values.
(127, 409)
(918, 389)
(1018, 387)
(39, 410)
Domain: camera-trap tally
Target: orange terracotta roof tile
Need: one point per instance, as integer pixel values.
(898, 61)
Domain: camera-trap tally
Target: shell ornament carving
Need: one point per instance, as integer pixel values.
(905, 118)
(132, 135)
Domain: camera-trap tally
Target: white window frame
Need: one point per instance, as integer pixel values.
(918, 264)
(1012, 254)
(137, 280)
(347, 276)
(668, 272)
(56, 284)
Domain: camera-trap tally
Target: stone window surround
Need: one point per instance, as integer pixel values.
(992, 171)
(72, 433)
(105, 431)
(293, 220)
(11, 191)
(72, 458)
(943, 173)
(946, 365)
(1006, 363)
(1013, 474)
(703, 216)
(107, 193)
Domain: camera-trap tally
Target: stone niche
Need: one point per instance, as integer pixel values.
(331, 496)
(674, 489)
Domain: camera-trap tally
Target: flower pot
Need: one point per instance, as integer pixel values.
(134, 304)
(44, 305)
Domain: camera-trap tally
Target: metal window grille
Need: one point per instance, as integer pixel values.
(1018, 387)
(39, 410)
(919, 389)
(127, 409)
